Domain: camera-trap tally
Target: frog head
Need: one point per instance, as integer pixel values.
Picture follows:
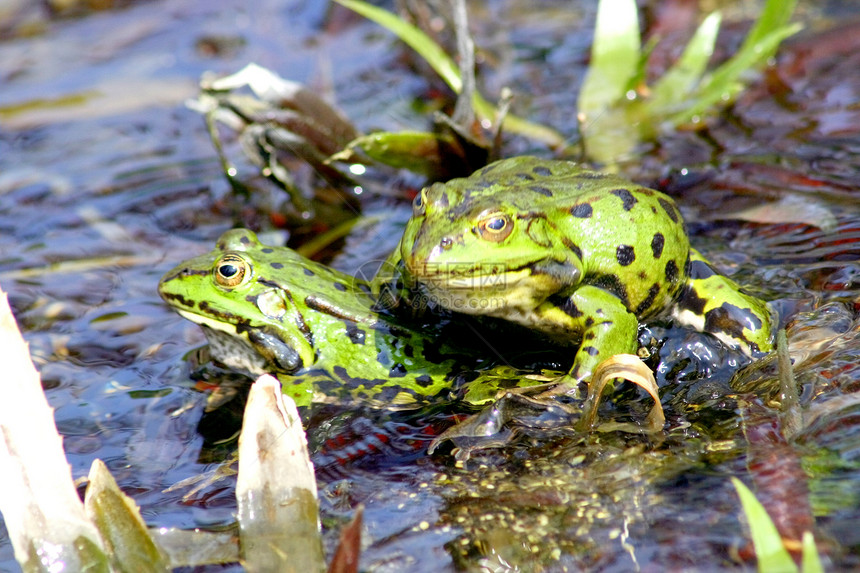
(236, 292)
(482, 244)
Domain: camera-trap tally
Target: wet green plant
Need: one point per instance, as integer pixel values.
(769, 548)
(616, 109)
(444, 65)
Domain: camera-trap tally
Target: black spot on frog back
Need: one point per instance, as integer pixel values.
(486, 170)
(581, 210)
(671, 271)
(625, 255)
(590, 175)
(657, 243)
(352, 382)
(541, 189)
(648, 300)
(354, 332)
(669, 208)
(628, 201)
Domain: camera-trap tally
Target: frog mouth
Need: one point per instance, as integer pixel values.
(498, 295)
(547, 275)
(211, 323)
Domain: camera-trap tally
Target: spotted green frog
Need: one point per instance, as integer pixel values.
(269, 309)
(579, 255)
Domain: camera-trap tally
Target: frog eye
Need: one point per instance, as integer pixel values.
(231, 271)
(419, 204)
(495, 228)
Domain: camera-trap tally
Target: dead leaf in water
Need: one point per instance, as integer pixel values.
(632, 369)
(789, 209)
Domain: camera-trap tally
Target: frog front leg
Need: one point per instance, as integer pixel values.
(607, 328)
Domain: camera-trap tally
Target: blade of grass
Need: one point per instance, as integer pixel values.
(725, 83)
(774, 15)
(810, 561)
(443, 65)
(608, 124)
(614, 58)
(432, 53)
(760, 44)
(677, 83)
(771, 554)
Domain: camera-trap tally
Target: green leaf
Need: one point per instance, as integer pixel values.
(614, 58)
(677, 83)
(810, 561)
(774, 16)
(448, 71)
(724, 83)
(758, 47)
(771, 553)
(417, 151)
(414, 38)
(117, 517)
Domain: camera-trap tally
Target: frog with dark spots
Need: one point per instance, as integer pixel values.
(586, 258)
(268, 309)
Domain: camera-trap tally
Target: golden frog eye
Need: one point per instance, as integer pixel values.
(231, 270)
(495, 227)
(419, 204)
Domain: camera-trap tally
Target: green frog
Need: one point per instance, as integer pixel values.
(578, 255)
(269, 309)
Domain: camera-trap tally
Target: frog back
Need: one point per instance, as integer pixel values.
(630, 239)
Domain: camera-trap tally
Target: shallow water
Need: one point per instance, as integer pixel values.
(107, 180)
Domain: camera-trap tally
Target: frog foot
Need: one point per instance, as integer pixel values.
(565, 385)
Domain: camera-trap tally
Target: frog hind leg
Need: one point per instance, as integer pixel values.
(607, 326)
(713, 303)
